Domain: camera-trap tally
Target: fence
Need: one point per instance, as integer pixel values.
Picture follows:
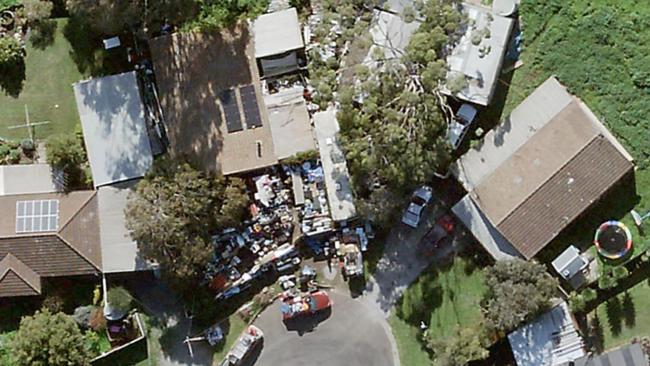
(126, 354)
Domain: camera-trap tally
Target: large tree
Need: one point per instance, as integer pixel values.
(47, 339)
(396, 136)
(175, 210)
(65, 153)
(457, 349)
(518, 290)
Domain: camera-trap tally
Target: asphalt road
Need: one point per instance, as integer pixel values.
(351, 335)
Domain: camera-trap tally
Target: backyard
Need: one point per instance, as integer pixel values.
(445, 298)
(599, 51)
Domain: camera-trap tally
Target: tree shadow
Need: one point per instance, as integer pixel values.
(629, 312)
(42, 33)
(596, 334)
(614, 315)
(423, 297)
(87, 50)
(12, 78)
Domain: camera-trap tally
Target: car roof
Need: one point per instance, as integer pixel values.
(424, 193)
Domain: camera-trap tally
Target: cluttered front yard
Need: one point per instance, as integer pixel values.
(446, 298)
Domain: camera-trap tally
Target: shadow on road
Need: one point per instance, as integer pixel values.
(306, 324)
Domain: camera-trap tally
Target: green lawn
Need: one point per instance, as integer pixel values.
(599, 51)
(47, 90)
(625, 316)
(445, 299)
(237, 326)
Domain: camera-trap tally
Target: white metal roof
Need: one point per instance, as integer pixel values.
(28, 179)
(481, 70)
(337, 179)
(114, 128)
(277, 33)
(391, 34)
(478, 224)
(119, 251)
(549, 340)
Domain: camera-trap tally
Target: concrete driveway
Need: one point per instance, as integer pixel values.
(353, 334)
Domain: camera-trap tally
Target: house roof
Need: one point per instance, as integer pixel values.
(277, 33)
(391, 34)
(569, 192)
(114, 128)
(290, 122)
(335, 169)
(550, 340)
(541, 168)
(28, 178)
(70, 247)
(629, 355)
(17, 279)
(119, 250)
(481, 70)
(194, 71)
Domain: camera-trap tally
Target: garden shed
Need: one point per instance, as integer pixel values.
(278, 42)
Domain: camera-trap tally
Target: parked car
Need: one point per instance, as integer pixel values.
(460, 125)
(420, 199)
(239, 352)
(305, 304)
(352, 261)
(440, 231)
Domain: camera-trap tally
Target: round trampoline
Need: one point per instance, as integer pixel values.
(613, 239)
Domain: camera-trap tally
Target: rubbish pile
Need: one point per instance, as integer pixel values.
(315, 214)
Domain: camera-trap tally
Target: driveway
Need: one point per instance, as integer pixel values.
(352, 335)
(401, 264)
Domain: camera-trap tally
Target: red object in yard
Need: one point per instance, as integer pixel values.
(305, 304)
(443, 227)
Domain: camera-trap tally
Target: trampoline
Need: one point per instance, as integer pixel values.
(613, 239)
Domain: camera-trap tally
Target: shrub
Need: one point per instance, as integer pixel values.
(14, 156)
(97, 321)
(589, 294)
(577, 302)
(620, 273)
(119, 298)
(607, 281)
(54, 303)
(11, 52)
(27, 145)
(4, 151)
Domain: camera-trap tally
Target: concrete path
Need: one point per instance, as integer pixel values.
(401, 264)
(168, 317)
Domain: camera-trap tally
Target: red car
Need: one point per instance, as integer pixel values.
(305, 304)
(443, 227)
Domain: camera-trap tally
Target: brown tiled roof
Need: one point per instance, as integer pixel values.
(74, 250)
(17, 279)
(11, 285)
(192, 70)
(81, 232)
(561, 199)
(47, 255)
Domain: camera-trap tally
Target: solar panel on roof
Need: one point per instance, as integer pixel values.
(250, 106)
(231, 111)
(37, 216)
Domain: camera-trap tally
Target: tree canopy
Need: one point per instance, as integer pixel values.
(457, 349)
(392, 123)
(518, 290)
(175, 210)
(47, 339)
(65, 153)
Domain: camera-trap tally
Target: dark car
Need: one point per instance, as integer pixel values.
(443, 227)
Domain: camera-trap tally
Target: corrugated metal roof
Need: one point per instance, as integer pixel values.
(575, 187)
(277, 33)
(114, 128)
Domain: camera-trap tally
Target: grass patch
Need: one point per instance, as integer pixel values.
(446, 299)
(623, 317)
(47, 90)
(235, 328)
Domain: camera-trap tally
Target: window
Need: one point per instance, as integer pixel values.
(37, 216)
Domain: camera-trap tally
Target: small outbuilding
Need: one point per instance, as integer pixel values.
(279, 47)
(114, 128)
(550, 340)
(571, 265)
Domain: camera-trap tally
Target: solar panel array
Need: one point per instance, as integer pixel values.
(250, 106)
(37, 216)
(231, 111)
